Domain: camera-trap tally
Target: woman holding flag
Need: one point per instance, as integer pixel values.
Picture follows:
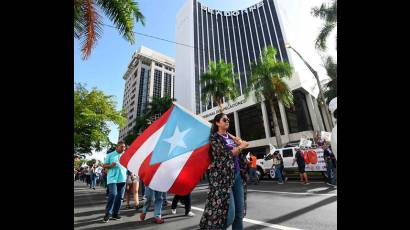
(226, 202)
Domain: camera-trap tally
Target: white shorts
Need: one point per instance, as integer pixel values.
(136, 180)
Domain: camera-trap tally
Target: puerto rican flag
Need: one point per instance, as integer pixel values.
(171, 155)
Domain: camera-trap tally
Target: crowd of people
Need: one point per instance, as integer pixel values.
(228, 175)
(93, 175)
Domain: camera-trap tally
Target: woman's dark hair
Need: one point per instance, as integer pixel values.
(214, 129)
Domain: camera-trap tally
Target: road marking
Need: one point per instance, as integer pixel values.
(293, 182)
(257, 222)
(269, 225)
(276, 192)
(293, 193)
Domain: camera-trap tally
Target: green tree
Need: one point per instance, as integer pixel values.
(328, 13)
(268, 81)
(88, 22)
(93, 110)
(219, 83)
(331, 69)
(91, 162)
(159, 105)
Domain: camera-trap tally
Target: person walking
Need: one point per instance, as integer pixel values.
(156, 197)
(330, 160)
(282, 168)
(226, 201)
(132, 188)
(88, 176)
(116, 178)
(253, 178)
(301, 166)
(277, 163)
(93, 176)
(187, 202)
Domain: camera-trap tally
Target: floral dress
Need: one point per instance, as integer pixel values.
(221, 178)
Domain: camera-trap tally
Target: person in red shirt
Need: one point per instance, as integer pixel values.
(252, 169)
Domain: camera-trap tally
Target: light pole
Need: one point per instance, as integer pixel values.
(321, 96)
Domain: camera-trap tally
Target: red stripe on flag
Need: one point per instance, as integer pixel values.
(147, 171)
(125, 158)
(192, 171)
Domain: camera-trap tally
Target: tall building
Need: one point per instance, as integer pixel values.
(238, 37)
(149, 74)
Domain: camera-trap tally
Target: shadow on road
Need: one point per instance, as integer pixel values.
(89, 213)
(296, 213)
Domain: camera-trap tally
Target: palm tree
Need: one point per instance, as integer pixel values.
(328, 13)
(159, 105)
(268, 80)
(331, 69)
(88, 22)
(218, 82)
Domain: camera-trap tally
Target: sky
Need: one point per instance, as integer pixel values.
(110, 57)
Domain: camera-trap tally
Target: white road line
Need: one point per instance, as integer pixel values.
(257, 222)
(269, 225)
(293, 182)
(293, 193)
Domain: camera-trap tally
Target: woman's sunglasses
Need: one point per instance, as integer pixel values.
(225, 120)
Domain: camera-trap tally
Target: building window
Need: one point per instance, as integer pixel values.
(157, 83)
(167, 84)
(298, 116)
(158, 64)
(251, 123)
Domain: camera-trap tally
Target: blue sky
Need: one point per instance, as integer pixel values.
(109, 59)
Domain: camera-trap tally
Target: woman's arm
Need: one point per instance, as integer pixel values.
(240, 143)
(237, 140)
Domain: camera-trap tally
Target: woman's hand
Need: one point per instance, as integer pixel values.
(243, 144)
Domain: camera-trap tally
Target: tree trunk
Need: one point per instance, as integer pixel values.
(220, 104)
(275, 125)
(220, 107)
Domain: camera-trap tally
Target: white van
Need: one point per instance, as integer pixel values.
(264, 165)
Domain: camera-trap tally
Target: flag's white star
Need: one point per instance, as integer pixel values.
(177, 139)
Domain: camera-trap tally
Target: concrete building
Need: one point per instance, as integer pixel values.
(149, 74)
(238, 38)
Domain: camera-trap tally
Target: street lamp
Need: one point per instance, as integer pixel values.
(322, 98)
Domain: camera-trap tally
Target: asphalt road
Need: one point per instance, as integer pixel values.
(270, 206)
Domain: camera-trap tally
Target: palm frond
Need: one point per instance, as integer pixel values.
(283, 69)
(218, 82)
(331, 67)
(268, 78)
(320, 42)
(326, 12)
(122, 13)
(78, 17)
(92, 28)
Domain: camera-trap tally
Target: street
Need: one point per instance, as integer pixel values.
(270, 206)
